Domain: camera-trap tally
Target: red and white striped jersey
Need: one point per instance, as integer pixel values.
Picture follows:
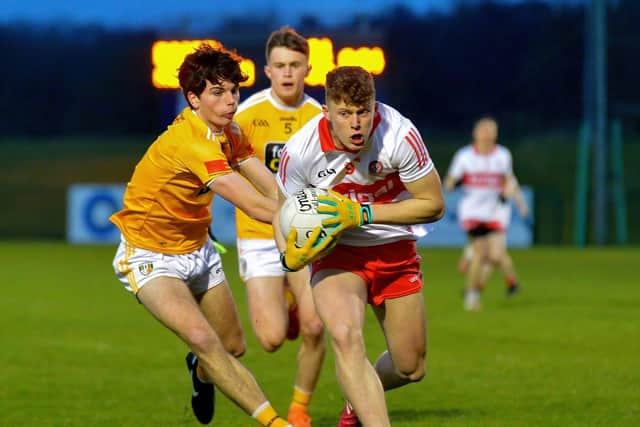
(395, 154)
(483, 177)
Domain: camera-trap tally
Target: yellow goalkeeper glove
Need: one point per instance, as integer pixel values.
(345, 212)
(294, 257)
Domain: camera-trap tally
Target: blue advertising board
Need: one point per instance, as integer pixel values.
(88, 209)
(90, 205)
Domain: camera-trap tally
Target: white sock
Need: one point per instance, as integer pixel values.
(471, 296)
(468, 252)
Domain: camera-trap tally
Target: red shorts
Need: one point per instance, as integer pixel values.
(389, 271)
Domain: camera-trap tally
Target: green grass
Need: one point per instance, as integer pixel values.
(77, 350)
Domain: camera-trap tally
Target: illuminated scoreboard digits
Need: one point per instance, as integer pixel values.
(371, 59)
(167, 55)
(322, 59)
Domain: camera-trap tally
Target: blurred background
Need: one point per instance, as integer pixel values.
(80, 105)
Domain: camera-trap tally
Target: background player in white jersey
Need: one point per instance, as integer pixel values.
(383, 181)
(269, 118)
(485, 172)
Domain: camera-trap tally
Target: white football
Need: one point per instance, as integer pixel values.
(299, 211)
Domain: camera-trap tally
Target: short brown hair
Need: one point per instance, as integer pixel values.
(208, 63)
(486, 119)
(352, 85)
(289, 38)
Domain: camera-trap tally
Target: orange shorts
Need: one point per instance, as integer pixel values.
(389, 271)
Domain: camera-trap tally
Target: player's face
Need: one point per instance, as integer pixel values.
(350, 124)
(217, 104)
(485, 132)
(287, 70)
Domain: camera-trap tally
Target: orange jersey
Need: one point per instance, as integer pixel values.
(268, 125)
(167, 201)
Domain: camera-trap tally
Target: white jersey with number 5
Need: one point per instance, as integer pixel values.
(483, 176)
(376, 174)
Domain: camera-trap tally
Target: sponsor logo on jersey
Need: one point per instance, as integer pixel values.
(272, 154)
(326, 172)
(261, 123)
(146, 268)
(484, 180)
(384, 190)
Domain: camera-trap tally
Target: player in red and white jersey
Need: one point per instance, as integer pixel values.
(383, 181)
(484, 169)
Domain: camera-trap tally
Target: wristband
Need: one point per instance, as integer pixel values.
(366, 213)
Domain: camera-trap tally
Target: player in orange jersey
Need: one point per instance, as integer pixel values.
(166, 257)
(269, 118)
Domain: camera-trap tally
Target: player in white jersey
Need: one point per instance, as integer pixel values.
(382, 181)
(484, 169)
(269, 118)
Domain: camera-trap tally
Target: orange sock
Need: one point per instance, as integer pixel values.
(267, 417)
(301, 398)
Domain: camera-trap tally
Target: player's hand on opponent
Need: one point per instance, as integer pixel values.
(317, 245)
(345, 212)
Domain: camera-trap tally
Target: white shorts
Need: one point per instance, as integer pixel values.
(200, 270)
(258, 258)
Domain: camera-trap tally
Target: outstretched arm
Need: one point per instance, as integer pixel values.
(261, 177)
(237, 190)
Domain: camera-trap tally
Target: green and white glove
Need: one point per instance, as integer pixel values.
(345, 212)
(294, 258)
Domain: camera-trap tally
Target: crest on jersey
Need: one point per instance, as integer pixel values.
(146, 268)
(375, 167)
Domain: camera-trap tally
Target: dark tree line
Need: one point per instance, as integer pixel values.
(521, 62)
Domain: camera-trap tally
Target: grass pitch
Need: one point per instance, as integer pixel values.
(77, 350)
